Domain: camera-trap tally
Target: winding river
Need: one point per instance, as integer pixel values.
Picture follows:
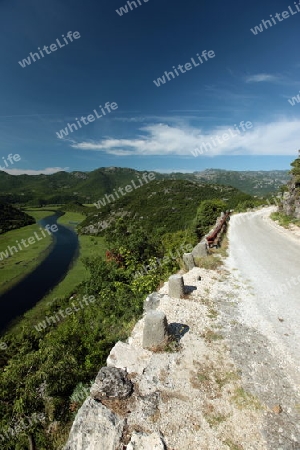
(45, 277)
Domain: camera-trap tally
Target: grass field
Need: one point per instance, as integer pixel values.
(39, 213)
(21, 263)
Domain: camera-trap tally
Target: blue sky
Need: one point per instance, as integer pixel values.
(117, 58)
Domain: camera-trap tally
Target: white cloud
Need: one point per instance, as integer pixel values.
(47, 171)
(260, 77)
(275, 138)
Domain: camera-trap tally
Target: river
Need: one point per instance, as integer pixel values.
(45, 277)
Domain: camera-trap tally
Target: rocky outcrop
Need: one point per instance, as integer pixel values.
(291, 199)
(291, 202)
(95, 427)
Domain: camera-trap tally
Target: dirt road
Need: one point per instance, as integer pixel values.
(264, 325)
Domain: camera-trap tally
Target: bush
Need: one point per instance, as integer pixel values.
(206, 216)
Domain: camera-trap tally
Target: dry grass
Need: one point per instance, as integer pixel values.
(210, 335)
(210, 262)
(232, 445)
(243, 399)
(119, 406)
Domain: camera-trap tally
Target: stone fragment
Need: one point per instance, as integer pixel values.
(111, 382)
(155, 332)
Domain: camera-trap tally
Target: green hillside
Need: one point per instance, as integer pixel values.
(12, 218)
(163, 205)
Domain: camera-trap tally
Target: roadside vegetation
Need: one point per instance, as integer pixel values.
(284, 220)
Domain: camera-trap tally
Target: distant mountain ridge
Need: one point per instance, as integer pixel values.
(257, 183)
(88, 187)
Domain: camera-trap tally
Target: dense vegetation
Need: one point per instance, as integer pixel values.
(12, 218)
(206, 215)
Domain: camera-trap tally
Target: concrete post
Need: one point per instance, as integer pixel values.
(200, 250)
(151, 302)
(155, 332)
(176, 286)
(188, 261)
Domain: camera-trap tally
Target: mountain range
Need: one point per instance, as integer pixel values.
(88, 187)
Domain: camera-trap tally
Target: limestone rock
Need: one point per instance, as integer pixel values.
(143, 441)
(111, 382)
(95, 427)
(132, 359)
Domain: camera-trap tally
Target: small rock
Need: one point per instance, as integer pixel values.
(111, 382)
(143, 441)
(280, 319)
(277, 409)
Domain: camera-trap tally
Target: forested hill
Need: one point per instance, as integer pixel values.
(163, 205)
(11, 218)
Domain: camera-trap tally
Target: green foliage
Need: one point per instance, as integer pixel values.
(284, 220)
(206, 216)
(249, 204)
